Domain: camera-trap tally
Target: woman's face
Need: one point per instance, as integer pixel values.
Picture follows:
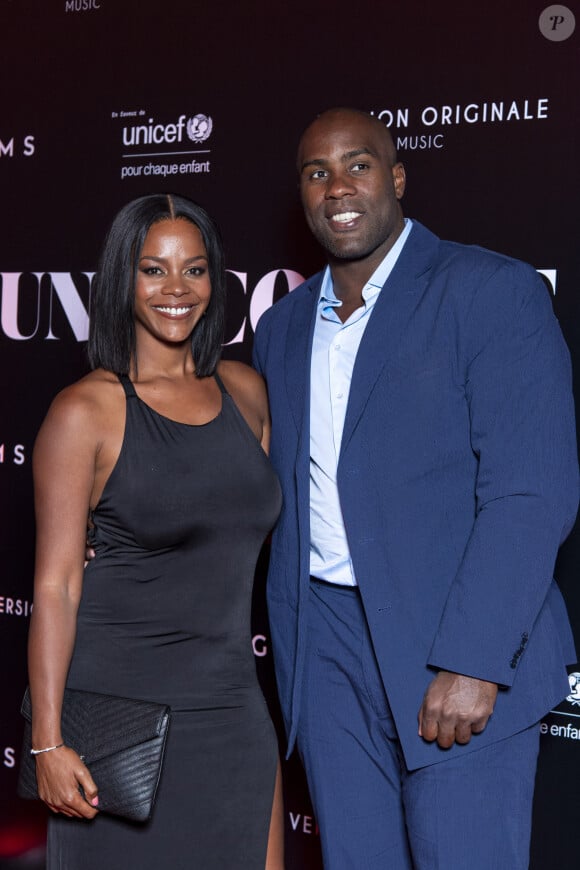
(173, 290)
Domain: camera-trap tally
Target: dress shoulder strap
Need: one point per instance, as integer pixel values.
(220, 384)
(127, 386)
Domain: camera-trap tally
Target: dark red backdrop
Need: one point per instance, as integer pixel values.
(482, 103)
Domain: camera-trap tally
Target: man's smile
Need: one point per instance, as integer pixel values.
(345, 216)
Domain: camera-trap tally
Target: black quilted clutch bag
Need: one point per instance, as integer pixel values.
(121, 741)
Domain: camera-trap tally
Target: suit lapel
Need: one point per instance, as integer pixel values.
(298, 353)
(388, 322)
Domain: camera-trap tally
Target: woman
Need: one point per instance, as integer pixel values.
(163, 447)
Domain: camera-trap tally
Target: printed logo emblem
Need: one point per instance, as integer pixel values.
(557, 23)
(574, 696)
(199, 128)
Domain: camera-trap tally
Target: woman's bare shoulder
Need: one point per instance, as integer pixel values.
(85, 402)
(248, 390)
(241, 377)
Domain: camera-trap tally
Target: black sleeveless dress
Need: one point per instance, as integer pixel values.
(165, 616)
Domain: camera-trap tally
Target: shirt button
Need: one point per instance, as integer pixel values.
(339, 395)
(337, 347)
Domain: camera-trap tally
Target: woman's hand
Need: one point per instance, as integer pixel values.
(60, 775)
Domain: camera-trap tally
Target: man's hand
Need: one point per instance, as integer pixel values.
(454, 708)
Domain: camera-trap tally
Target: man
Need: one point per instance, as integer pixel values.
(423, 434)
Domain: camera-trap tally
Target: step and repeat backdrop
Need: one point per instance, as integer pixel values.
(105, 100)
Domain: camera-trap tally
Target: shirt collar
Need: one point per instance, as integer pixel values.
(327, 298)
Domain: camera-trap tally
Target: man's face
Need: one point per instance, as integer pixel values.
(351, 186)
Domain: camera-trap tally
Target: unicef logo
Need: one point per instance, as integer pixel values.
(199, 128)
(574, 696)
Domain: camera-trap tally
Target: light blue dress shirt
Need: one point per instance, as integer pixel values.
(334, 351)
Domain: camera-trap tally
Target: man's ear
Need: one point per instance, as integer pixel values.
(399, 179)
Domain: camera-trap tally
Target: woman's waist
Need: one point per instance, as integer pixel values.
(183, 689)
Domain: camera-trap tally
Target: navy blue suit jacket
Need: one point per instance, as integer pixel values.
(458, 481)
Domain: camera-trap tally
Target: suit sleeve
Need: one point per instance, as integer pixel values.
(518, 390)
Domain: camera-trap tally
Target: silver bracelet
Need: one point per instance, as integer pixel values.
(47, 749)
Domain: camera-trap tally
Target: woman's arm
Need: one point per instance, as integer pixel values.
(64, 470)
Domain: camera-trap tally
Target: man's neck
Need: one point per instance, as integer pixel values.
(348, 280)
(349, 277)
